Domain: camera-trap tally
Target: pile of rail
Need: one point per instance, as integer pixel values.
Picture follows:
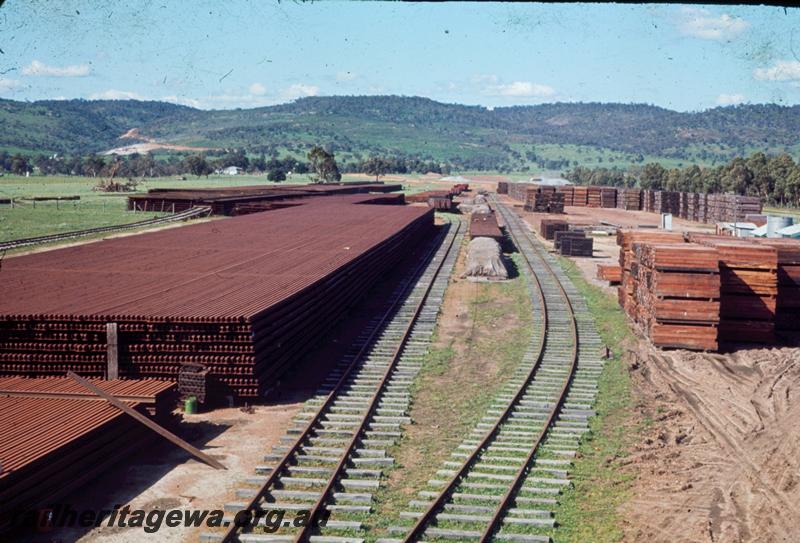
(485, 225)
(223, 201)
(243, 297)
(182, 216)
(332, 459)
(503, 481)
(55, 436)
(696, 291)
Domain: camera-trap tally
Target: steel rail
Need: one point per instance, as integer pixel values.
(519, 477)
(433, 508)
(314, 513)
(253, 506)
(183, 215)
(421, 524)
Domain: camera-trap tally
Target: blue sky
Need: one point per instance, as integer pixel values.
(235, 53)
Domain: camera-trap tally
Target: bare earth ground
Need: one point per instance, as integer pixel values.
(721, 463)
(163, 477)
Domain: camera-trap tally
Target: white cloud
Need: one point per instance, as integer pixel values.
(9, 84)
(701, 23)
(37, 68)
(346, 76)
(182, 101)
(299, 90)
(521, 89)
(258, 89)
(113, 94)
(729, 99)
(782, 70)
(485, 78)
(241, 100)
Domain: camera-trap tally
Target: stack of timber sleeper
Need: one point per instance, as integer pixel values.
(609, 272)
(629, 199)
(549, 227)
(749, 288)
(564, 234)
(576, 246)
(677, 294)
(625, 240)
(787, 313)
(569, 194)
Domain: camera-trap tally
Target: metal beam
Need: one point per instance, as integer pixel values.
(160, 430)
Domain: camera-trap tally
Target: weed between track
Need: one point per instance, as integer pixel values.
(460, 377)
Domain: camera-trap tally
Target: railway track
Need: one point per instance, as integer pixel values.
(503, 481)
(182, 216)
(332, 458)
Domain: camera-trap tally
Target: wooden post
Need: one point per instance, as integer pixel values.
(112, 351)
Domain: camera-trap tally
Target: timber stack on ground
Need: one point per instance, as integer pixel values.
(610, 273)
(560, 235)
(544, 200)
(749, 287)
(576, 246)
(569, 194)
(629, 199)
(788, 303)
(580, 196)
(677, 294)
(549, 227)
(625, 240)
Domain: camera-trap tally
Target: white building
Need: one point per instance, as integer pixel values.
(231, 170)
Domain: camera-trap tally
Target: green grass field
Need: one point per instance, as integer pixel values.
(28, 219)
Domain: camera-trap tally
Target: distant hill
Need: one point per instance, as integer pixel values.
(470, 136)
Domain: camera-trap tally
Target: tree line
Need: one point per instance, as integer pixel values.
(276, 168)
(773, 178)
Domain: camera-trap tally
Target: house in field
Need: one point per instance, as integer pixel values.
(231, 170)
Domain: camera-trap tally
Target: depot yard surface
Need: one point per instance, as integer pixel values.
(685, 446)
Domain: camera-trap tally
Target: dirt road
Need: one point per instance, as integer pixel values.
(721, 460)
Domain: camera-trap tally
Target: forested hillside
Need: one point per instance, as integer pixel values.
(549, 136)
